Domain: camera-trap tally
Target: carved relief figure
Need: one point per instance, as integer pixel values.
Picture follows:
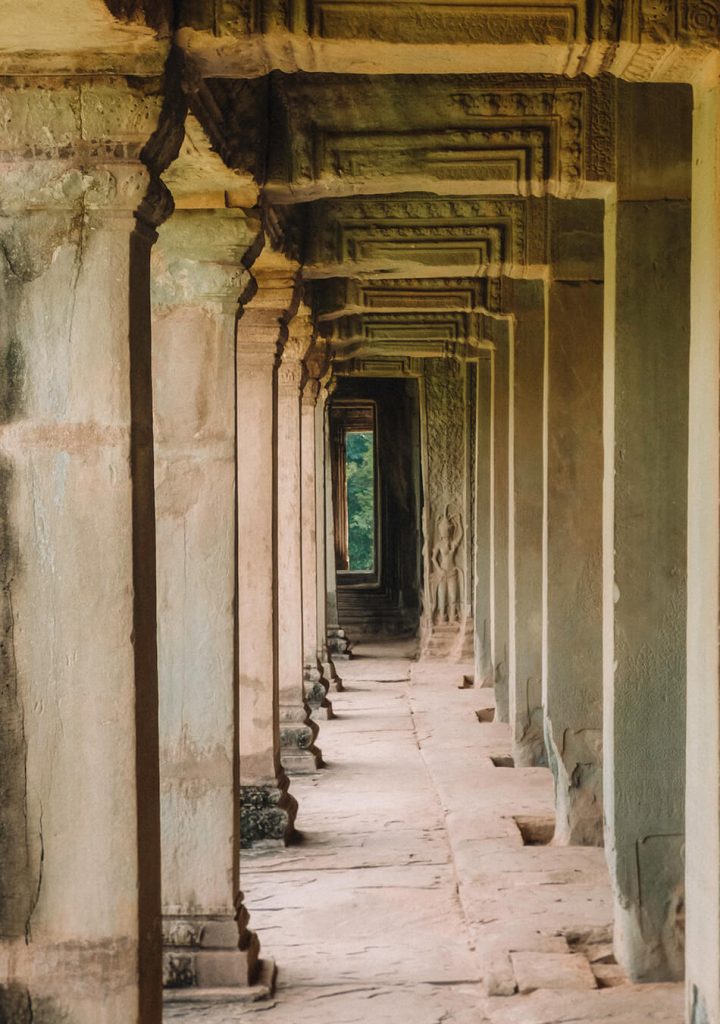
(447, 574)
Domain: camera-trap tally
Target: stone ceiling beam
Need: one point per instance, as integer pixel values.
(76, 37)
(640, 40)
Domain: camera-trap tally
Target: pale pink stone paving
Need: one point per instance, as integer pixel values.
(412, 899)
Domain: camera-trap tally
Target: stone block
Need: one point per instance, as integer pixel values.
(552, 971)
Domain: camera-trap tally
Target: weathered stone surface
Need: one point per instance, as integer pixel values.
(525, 703)
(372, 37)
(702, 806)
(573, 686)
(267, 815)
(551, 970)
(645, 604)
(441, 836)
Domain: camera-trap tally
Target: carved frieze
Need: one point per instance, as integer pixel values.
(431, 21)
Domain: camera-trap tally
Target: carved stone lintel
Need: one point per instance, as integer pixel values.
(267, 815)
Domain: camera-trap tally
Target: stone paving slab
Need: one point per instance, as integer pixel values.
(413, 895)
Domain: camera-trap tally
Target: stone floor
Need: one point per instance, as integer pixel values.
(413, 897)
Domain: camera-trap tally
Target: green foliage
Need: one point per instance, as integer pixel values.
(360, 476)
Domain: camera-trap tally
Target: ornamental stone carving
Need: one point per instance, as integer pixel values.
(446, 579)
(337, 297)
(510, 134)
(427, 231)
(422, 335)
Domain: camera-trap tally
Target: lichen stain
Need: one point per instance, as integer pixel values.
(18, 878)
(18, 1006)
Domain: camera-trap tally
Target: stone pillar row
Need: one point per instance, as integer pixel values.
(79, 780)
(584, 533)
(150, 545)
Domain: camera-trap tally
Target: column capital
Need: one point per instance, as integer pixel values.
(91, 146)
(198, 259)
(317, 363)
(310, 392)
(299, 339)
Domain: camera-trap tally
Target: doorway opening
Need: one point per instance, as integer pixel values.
(356, 479)
(374, 428)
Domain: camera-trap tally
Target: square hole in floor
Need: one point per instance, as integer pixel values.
(535, 831)
(503, 761)
(486, 715)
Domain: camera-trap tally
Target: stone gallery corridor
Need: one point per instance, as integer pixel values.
(402, 902)
(360, 464)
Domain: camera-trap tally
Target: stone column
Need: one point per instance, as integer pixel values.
(316, 683)
(501, 333)
(79, 791)
(646, 399)
(197, 282)
(324, 653)
(267, 811)
(297, 730)
(572, 626)
(526, 299)
(339, 646)
(483, 555)
(702, 803)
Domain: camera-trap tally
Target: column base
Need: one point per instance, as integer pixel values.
(206, 953)
(262, 988)
(329, 671)
(298, 733)
(578, 786)
(338, 644)
(267, 815)
(529, 745)
(316, 687)
(447, 641)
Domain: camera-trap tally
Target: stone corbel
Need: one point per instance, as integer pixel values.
(295, 349)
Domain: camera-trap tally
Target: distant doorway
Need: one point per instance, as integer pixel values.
(360, 498)
(375, 437)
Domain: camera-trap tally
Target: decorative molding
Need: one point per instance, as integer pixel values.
(383, 235)
(663, 22)
(344, 296)
(399, 366)
(431, 21)
(501, 134)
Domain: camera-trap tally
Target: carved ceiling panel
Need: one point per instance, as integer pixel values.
(421, 335)
(341, 297)
(389, 236)
(486, 134)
